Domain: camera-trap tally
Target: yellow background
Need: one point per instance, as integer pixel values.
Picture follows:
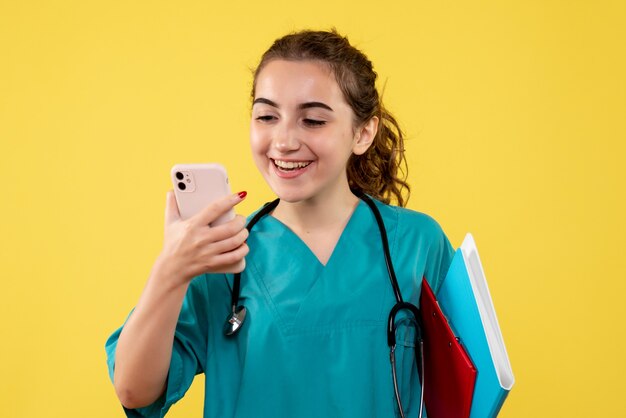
(515, 116)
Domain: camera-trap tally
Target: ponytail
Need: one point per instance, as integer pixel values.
(381, 171)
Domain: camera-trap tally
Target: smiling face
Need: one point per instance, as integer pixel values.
(302, 131)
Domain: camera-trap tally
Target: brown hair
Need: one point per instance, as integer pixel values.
(381, 171)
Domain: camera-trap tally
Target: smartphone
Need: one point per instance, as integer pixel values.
(197, 185)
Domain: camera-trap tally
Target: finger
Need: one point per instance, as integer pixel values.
(237, 267)
(218, 207)
(225, 231)
(171, 208)
(228, 262)
(230, 244)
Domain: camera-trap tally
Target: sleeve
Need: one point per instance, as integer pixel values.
(189, 352)
(440, 257)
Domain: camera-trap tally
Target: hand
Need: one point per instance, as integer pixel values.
(191, 247)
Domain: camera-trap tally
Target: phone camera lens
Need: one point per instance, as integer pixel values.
(179, 175)
(182, 186)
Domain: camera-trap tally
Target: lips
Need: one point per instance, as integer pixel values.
(290, 165)
(290, 169)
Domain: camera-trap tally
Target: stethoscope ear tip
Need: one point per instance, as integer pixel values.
(235, 321)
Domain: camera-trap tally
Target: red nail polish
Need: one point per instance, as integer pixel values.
(242, 194)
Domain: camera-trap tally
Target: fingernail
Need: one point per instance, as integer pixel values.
(242, 194)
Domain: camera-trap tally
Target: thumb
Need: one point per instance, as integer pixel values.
(171, 208)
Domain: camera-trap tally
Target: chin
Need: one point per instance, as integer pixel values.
(291, 194)
(290, 197)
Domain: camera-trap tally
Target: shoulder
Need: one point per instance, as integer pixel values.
(411, 222)
(420, 238)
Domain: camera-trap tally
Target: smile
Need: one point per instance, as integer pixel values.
(290, 165)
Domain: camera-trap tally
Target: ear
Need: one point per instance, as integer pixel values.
(364, 136)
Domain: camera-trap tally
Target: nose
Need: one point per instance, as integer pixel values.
(286, 138)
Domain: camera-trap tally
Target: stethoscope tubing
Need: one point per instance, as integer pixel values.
(385, 242)
(265, 210)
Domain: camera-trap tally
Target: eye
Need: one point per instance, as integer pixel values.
(265, 118)
(314, 122)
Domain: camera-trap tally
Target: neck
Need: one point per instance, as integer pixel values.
(318, 213)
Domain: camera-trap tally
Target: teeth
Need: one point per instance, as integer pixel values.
(290, 165)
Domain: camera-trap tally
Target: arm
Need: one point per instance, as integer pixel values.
(191, 248)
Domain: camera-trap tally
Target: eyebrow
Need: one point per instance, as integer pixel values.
(306, 105)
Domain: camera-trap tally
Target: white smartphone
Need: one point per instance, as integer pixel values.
(197, 185)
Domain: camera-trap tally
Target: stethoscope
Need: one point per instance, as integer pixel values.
(238, 315)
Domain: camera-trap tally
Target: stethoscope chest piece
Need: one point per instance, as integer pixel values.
(235, 321)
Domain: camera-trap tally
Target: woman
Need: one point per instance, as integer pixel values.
(314, 280)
